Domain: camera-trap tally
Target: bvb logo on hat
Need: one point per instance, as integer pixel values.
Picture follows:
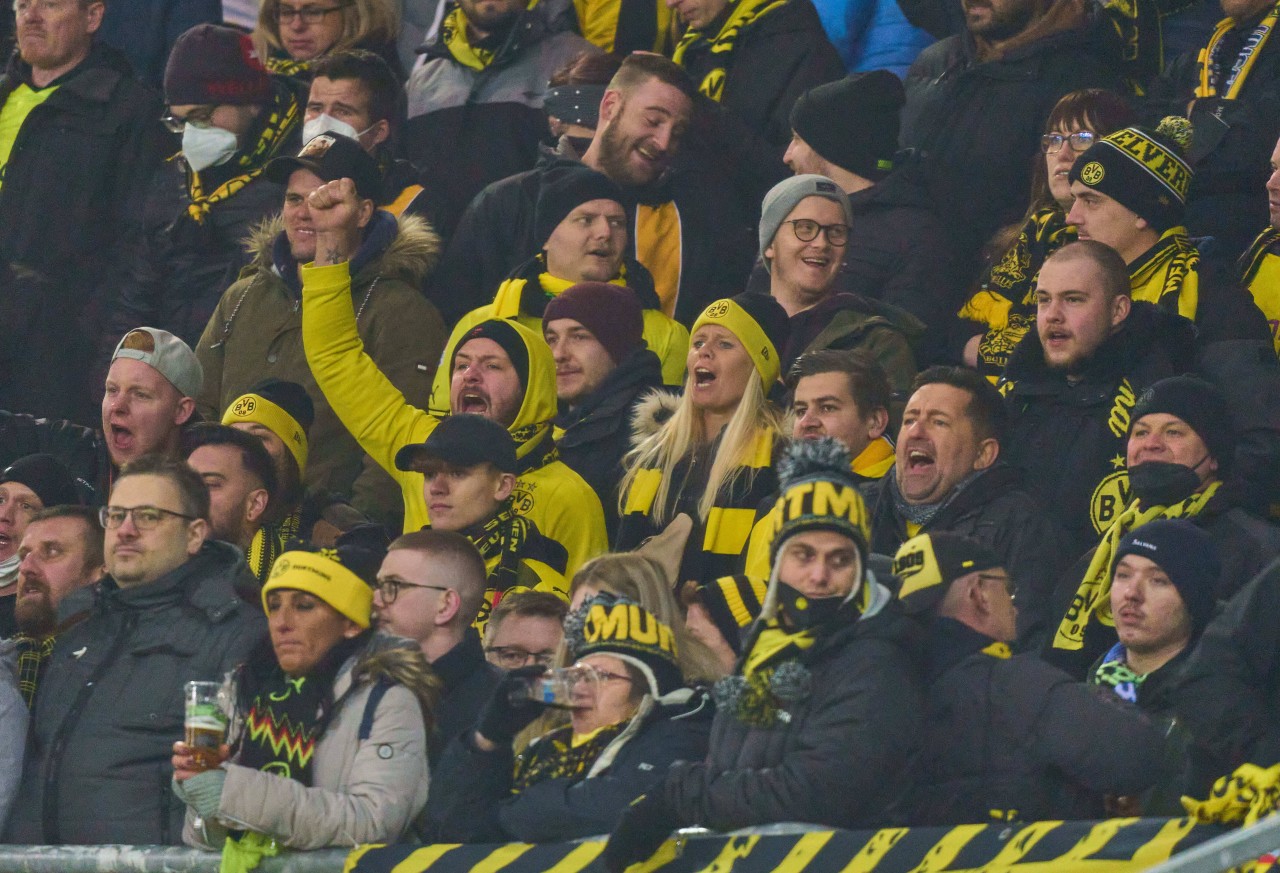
(280, 567)
(317, 147)
(244, 406)
(718, 309)
(1092, 173)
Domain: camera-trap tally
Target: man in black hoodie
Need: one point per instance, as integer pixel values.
(1071, 384)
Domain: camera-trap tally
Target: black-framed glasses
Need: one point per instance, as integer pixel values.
(390, 588)
(806, 230)
(1004, 581)
(144, 517)
(511, 657)
(1051, 143)
(309, 14)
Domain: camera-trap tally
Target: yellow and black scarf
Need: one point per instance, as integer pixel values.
(561, 755)
(284, 116)
(269, 542)
(1211, 72)
(1092, 602)
(743, 13)
(502, 537)
(1168, 275)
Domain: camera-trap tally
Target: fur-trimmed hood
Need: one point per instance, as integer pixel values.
(651, 412)
(411, 256)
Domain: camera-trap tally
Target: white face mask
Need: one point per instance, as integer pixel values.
(205, 147)
(326, 123)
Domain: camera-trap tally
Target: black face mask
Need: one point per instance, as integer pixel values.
(1161, 483)
(804, 613)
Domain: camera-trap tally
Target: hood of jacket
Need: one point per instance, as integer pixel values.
(531, 27)
(408, 254)
(639, 371)
(538, 407)
(1148, 332)
(206, 582)
(651, 412)
(540, 286)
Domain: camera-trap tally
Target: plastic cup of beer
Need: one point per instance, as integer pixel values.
(204, 723)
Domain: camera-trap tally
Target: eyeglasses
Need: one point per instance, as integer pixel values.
(309, 14)
(594, 672)
(511, 657)
(201, 116)
(1005, 582)
(144, 517)
(1051, 143)
(806, 230)
(390, 588)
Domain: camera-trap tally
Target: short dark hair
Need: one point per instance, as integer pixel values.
(526, 604)
(1112, 269)
(253, 452)
(471, 578)
(639, 68)
(192, 492)
(868, 382)
(587, 68)
(93, 528)
(386, 96)
(986, 407)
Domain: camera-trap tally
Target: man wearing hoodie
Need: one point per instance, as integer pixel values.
(1071, 384)
(255, 333)
(475, 104)
(821, 719)
(499, 368)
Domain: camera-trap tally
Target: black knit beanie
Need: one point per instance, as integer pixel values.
(501, 332)
(1203, 407)
(1142, 170)
(853, 122)
(563, 190)
(1186, 554)
(46, 476)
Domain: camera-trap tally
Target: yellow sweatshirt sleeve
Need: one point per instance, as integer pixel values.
(363, 398)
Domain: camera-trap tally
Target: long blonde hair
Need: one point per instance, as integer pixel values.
(365, 23)
(643, 580)
(680, 435)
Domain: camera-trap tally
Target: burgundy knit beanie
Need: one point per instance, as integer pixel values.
(215, 65)
(611, 312)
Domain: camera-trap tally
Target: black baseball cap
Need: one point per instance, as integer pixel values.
(332, 156)
(463, 441)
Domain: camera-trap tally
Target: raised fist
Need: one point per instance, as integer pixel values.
(335, 207)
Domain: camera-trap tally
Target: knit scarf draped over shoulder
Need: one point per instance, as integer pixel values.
(1093, 598)
(502, 537)
(742, 13)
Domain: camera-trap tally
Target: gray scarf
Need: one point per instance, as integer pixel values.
(923, 513)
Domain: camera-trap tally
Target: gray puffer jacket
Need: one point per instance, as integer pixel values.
(109, 705)
(369, 772)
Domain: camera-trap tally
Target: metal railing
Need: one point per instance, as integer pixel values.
(152, 859)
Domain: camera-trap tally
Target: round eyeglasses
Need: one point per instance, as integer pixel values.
(806, 230)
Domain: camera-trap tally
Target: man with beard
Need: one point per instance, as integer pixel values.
(977, 101)
(949, 476)
(61, 554)
(1071, 383)
(475, 105)
(240, 477)
(1180, 458)
(687, 229)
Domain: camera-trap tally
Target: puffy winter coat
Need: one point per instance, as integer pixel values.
(871, 34)
(256, 333)
(474, 788)
(563, 506)
(1012, 738)
(1070, 439)
(109, 705)
(842, 756)
(368, 773)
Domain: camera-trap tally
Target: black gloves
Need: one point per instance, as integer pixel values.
(501, 719)
(643, 827)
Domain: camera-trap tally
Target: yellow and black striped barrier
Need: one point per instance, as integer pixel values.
(1111, 846)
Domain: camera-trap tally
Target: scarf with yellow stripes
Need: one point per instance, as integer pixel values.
(283, 116)
(720, 46)
(1092, 602)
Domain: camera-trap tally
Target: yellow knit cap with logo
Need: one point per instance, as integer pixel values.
(324, 577)
(259, 410)
(760, 324)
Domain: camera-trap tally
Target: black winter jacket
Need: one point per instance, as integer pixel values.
(995, 510)
(898, 253)
(495, 236)
(70, 231)
(843, 757)
(979, 123)
(474, 788)
(82, 449)
(1070, 440)
(468, 681)
(1016, 739)
(109, 706)
(1229, 696)
(593, 436)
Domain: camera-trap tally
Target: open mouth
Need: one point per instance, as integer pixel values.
(1056, 337)
(919, 460)
(121, 437)
(818, 262)
(702, 377)
(472, 403)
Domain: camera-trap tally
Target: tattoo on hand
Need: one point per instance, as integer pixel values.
(334, 256)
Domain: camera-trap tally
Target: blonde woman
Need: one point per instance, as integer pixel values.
(710, 453)
(293, 33)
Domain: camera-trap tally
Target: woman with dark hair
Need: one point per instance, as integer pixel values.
(1003, 309)
(328, 725)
